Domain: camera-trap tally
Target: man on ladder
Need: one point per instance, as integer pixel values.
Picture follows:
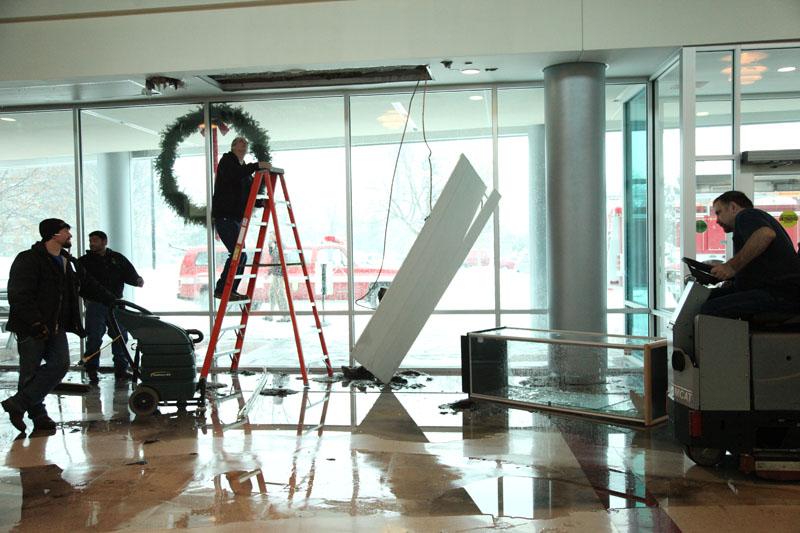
(231, 189)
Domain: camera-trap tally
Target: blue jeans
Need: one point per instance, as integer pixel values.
(727, 302)
(228, 231)
(43, 363)
(96, 326)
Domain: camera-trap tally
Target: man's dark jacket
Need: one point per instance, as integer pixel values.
(112, 270)
(39, 292)
(231, 187)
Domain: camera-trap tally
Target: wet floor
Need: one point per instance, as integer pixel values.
(335, 457)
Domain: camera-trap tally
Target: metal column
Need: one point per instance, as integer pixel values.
(576, 218)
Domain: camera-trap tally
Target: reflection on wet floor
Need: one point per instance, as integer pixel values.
(333, 457)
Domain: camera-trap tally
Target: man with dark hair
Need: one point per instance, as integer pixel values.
(43, 289)
(113, 271)
(231, 189)
(764, 271)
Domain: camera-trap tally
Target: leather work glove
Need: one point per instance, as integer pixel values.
(39, 331)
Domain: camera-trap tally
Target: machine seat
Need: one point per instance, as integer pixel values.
(771, 321)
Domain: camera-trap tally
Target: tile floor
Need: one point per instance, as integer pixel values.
(335, 458)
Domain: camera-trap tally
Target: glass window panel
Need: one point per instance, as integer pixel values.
(122, 197)
(668, 189)
(617, 170)
(770, 101)
(439, 343)
(713, 178)
(713, 104)
(636, 276)
(454, 123)
(523, 215)
(37, 181)
(779, 195)
(270, 341)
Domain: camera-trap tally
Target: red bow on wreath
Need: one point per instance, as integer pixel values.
(221, 126)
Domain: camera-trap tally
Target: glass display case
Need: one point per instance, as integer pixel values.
(616, 377)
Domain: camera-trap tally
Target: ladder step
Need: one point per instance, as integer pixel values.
(244, 276)
(266, 197)
(238, 302)
(225, 352)
(252, 250)
(312, 428)
(232, 328)
(233, 425)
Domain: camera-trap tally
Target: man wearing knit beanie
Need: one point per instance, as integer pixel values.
(43, 290)
(50, 228)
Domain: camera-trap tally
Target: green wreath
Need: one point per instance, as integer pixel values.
(188, 124)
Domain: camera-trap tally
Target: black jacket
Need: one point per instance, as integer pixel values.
(112, 270)
(231, 187)
(39, 292)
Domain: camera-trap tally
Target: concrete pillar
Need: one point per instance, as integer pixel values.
(537, 223)
(576, 230)
(114, 197)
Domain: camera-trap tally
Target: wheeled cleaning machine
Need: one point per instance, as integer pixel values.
(735, 386)
(164, 366)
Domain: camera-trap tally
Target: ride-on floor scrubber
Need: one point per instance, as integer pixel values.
(735, 385)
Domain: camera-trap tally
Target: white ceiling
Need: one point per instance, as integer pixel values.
(641, 62)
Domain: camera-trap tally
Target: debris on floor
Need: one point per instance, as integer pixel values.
(356, 373)
(281, 393)
(461, 405)
(363, 379)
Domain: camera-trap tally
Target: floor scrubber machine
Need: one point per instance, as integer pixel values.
(164, 368)
(735, 385)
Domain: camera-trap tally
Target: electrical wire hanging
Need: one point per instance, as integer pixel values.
(430, 152)
(374, 285)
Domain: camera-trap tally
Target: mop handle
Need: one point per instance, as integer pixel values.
(95, 354)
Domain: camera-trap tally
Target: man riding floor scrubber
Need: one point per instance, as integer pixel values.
(735, 385)
(735, 376)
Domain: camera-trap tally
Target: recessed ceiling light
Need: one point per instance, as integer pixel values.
(8, 119)
(787, 69)
(702, 113)
(476, 98)
(747, 57)
(470, 71)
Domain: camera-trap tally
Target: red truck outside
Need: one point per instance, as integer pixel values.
(330, 255)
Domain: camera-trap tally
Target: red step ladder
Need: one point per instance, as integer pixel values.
(270, 177)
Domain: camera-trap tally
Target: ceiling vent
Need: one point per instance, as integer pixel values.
(318, 78)
(771, 158)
